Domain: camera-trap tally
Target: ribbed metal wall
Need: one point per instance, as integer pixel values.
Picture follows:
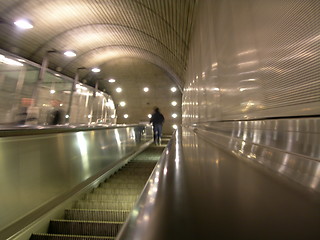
(157, 28)
(253, 59)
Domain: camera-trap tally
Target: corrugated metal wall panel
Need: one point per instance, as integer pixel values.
(255, 59)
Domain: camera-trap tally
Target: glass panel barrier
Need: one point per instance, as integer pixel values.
(24, 101)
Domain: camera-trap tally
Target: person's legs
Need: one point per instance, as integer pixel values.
(157, 133)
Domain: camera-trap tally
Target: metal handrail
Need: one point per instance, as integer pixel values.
(201, 189)
(6, 131)
(160, 208)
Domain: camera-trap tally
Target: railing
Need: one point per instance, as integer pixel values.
(58, 98)
(221, 182)
(38, 172)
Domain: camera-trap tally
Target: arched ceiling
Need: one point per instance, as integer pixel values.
(101, 30)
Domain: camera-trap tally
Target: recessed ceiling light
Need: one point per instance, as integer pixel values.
(70, 53)
(119, 89)
(173, 89)
(174, 126)
(125, 115)
(146, 89)
(174, 103)
(149, 115)
(122, 104)
(111, 80)
(95, 70)
(174, 115)
(23, 23)
(9, 61)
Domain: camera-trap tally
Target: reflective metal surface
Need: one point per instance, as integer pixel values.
(99, 31)
(253, 60)
(199, 191)
(37, 169)
(289, 147)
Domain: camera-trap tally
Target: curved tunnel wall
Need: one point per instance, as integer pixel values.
(253, 60)
(252, 83)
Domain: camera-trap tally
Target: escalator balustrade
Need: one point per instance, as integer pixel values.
(101, 213)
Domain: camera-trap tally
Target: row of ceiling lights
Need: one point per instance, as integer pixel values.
(27, 24)
(174, 115)
(123, 103)
(145, 89)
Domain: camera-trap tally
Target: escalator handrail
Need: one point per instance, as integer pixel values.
(160, 203)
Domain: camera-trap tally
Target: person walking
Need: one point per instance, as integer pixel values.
(157, 120)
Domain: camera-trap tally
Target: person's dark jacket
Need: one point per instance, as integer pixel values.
(157, 118)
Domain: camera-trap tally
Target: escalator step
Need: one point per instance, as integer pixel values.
(121, 185)
(46, 236)
(111, 197)
(126, 179)
(101, 213)
(106, 205)
(136, 175)
(91, 228)
(120, 191)
(96, 215)
(137, 168)
(139, 165)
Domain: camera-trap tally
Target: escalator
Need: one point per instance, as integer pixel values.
(101, 213)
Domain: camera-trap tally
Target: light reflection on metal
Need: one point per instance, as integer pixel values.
(9, 61)
(287, 146)
(165, 170)
(177, 153)
(83, 148)
(233, 178)
(117, 136)
(315, 183)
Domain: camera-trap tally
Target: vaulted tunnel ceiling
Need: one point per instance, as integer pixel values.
(99, 31)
